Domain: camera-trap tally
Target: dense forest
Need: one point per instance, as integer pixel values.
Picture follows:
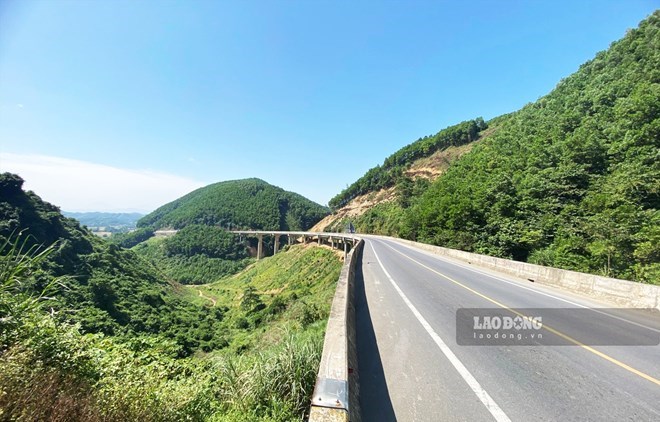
(248, 203)
(196, 254)
(89, 331)
(394, 166)
(571, 180)
(203, 251)
(105, 289)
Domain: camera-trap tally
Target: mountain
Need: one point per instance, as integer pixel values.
(106, 289)
(108, 220)
(202, 251)
(395, 166)
(246, 203)
(403, 175)
(89, 331)
(571, 180)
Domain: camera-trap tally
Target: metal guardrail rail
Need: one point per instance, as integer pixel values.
(336, 394)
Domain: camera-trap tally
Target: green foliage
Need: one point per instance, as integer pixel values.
(392, 170)
(570, 181)
(130, 239)
(55, 372)
(291, 289)
(213, 242)
(248, 203)
(388, 218)
(108, 289)
(50, 370)
(273, 385)
(251, 301)
(18, 264)
(196, 254)
(385, 219)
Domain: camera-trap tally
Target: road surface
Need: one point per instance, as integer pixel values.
(412, 369)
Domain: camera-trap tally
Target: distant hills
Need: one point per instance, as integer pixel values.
(246, 204)
(570, 181)
(107, 220)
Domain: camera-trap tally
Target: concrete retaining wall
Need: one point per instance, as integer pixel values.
(336, 394)
(619, 292)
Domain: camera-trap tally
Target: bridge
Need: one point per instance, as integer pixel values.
(394, 348)
(338, 240)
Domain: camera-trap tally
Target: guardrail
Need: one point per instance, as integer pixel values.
(620, 292)
(336, 394)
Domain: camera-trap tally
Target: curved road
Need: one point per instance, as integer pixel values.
(412, 369)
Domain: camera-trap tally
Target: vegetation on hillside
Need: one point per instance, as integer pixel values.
(88, 331)
(393, 168)
(297, 285)
(248, 203)
(51, 370)
(197, 254)
(570, 181)
(132, 238)
(109, 290)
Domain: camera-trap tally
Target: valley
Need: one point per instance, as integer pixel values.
(170, 316)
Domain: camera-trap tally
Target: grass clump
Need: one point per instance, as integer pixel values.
(53, 370)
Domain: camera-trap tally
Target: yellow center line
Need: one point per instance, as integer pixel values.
(550, 329)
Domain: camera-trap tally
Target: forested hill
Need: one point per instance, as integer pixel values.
(571, 180)
(393, 168)
(106, 289)
(247, 203)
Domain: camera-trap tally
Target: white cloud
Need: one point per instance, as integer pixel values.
(76, 185)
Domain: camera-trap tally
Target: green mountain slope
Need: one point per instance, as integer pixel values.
(295, 287)
(393, 168)
(247, 203)
(107, 289)
(571, 181)
(197, 254)
(257, 336)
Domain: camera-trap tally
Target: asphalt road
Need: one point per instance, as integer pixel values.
(412, 369)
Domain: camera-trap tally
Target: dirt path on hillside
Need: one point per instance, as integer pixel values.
(213, 301)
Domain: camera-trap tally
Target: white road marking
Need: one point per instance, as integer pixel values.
(513, 283)
(482, 394)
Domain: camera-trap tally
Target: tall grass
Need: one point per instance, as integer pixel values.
(18, 264)
(121, 384)
(275, 384)
(50, 371)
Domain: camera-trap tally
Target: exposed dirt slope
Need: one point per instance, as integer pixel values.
(430, 167)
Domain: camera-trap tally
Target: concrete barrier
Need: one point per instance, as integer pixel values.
(336, 394)
(619, 292)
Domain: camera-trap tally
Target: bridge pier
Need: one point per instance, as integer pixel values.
(334, 240)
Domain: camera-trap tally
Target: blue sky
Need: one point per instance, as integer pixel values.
(125, 105)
